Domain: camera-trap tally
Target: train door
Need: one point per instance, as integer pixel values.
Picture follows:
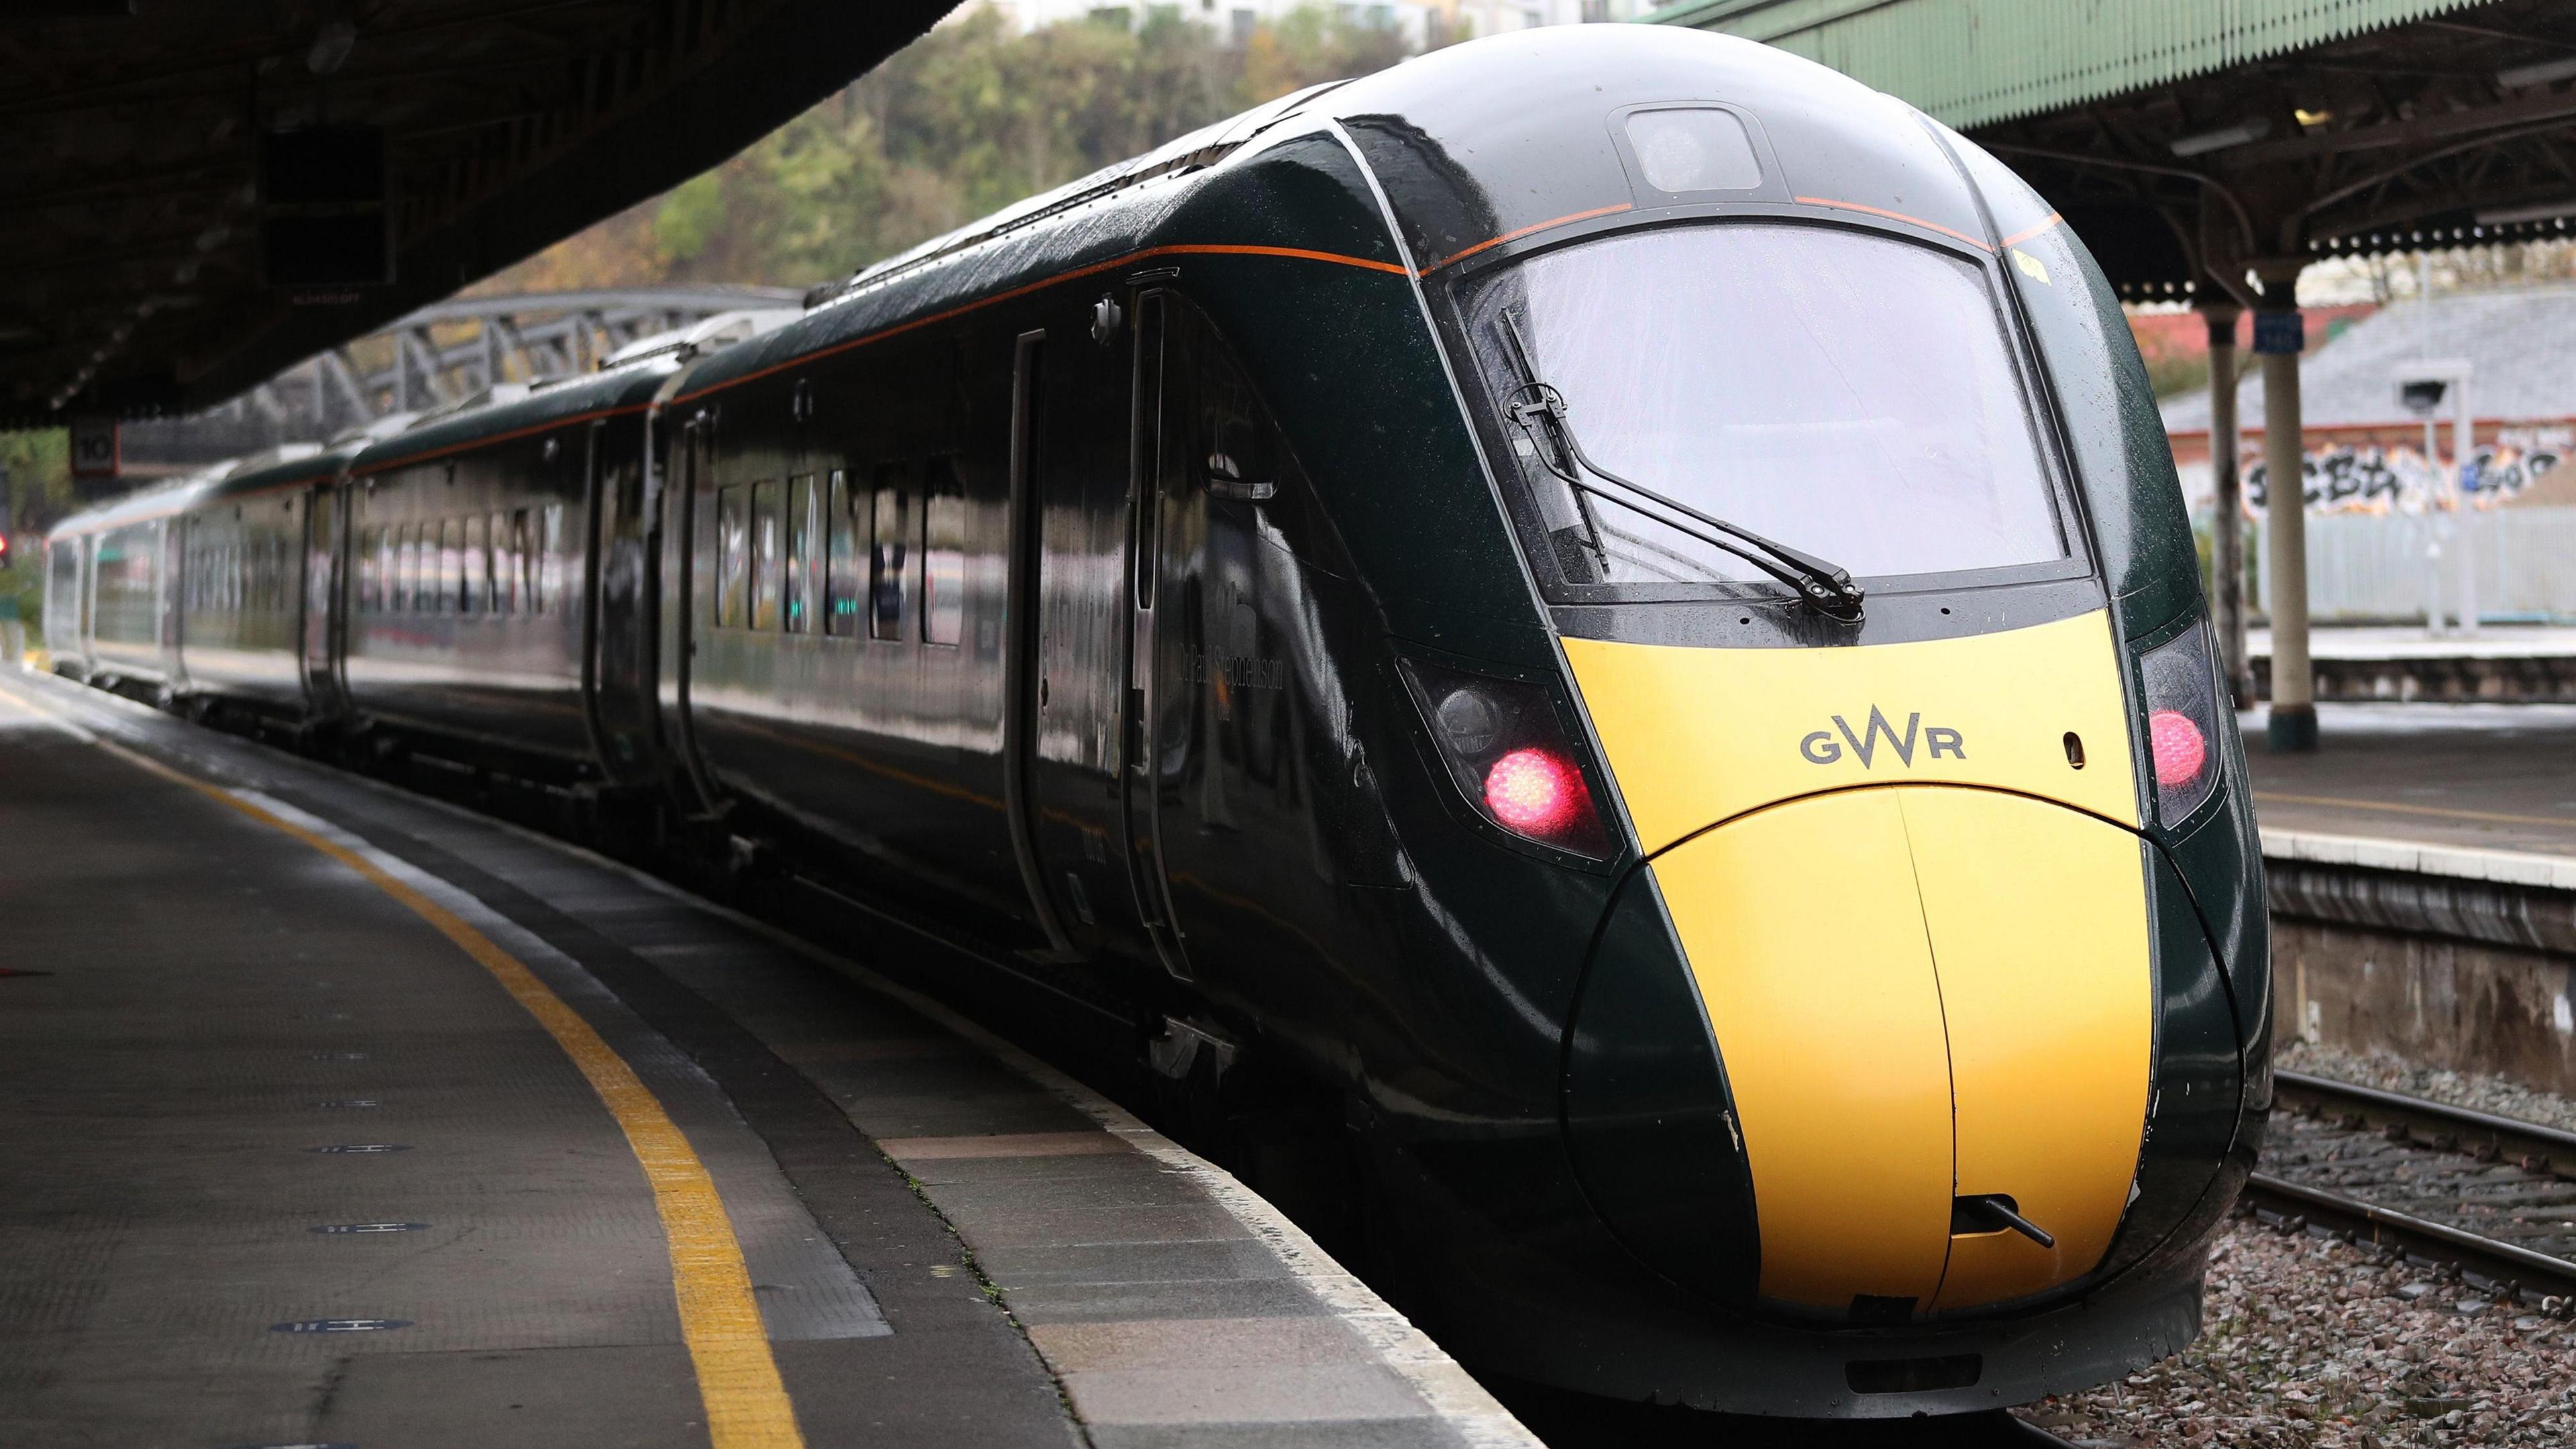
(320, 634)
(1027, 692)
(1147, 506)
(687, 554)
(62, 582)
(617, 675)
(85, 580)
(1246, 800)
(1090, 395)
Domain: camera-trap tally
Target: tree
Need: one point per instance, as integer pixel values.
(39, 470)
(966, 120)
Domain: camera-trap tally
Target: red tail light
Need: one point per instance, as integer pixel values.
(2183, 721)
(1534, 792)
(2180, 749)
(1511, 754)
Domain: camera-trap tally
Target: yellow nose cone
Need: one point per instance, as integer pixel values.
(1922, 994)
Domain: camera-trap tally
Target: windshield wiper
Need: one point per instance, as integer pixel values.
(1540, 411)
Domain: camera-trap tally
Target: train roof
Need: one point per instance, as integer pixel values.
(1516, 134)
(276, 469)
(1475, 145)
(160, 500)
(628, 389)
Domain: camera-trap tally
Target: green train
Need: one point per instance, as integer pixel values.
(1609, 603)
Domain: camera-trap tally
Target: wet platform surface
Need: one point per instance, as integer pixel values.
(2494, 777)
(286, 1160)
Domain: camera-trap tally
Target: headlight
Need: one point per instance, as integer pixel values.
(2182, 722)
(1510, 755)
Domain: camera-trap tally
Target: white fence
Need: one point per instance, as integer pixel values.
(2384, 568)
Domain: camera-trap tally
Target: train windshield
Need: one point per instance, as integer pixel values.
(1848, 395)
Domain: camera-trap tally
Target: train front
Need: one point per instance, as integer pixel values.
(1925, 1040)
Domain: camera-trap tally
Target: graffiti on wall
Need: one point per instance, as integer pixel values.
(2402, 480)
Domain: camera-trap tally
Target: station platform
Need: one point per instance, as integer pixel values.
(2472, 777)
(341, 1117)
(2500, 662)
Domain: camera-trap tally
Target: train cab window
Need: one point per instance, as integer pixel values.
(1241, 457)
(765, 560)
(887, 565)
(844, 582)
(1849, 394)
(733, 557)
(798, 600)
(943, 553)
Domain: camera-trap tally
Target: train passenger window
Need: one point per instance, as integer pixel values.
(550, 559)
(407, 562)
(733, 557)
(524, 585)
(505, 567)
(451, 565)
(371, 569)
(886, 561)
(800, 554)
(843, 580)
(764, 554)
(943, 552)
(476, 597)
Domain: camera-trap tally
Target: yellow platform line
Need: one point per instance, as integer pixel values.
(746, 1402)
(2443, 812)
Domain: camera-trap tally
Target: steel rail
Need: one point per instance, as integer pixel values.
(2438, 1125)
(2489, 1262)
(2500, 1265)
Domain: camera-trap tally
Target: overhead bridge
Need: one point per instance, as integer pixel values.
(438, 356)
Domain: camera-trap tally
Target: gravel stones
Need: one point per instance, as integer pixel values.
(2310, 1342)
(2315, 1343)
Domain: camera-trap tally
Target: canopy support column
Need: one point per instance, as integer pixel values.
(2227, 504)
(2279, 336)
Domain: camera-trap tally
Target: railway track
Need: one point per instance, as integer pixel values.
(2490, 1197)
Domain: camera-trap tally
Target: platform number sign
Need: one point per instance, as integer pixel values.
(94, 448)
(2280, 334)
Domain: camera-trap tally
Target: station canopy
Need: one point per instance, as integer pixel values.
(2190, 140)
(199, 193)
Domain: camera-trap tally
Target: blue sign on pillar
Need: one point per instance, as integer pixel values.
(2280, 334)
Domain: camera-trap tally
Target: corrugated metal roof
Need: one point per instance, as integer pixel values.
(1971, 62)
(2520, 343)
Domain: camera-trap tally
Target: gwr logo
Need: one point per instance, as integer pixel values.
(1821, 748)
